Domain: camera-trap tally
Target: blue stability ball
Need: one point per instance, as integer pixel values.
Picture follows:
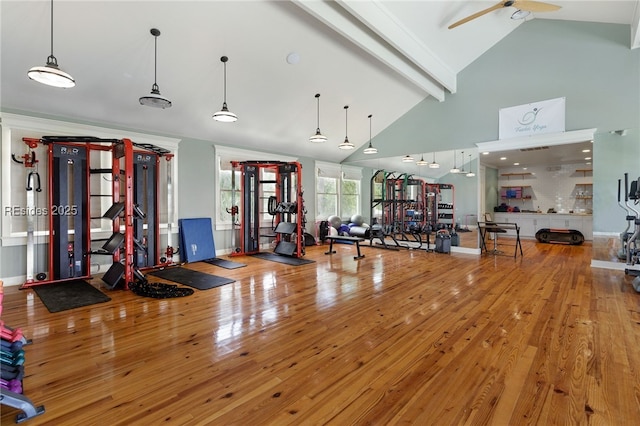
(344, 230)
(357, 219)
(335, 221)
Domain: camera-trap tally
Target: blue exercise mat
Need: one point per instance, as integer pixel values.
(196, 239)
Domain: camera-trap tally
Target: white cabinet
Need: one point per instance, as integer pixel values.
(530, 223)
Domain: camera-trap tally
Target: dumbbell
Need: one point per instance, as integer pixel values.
(13, 385)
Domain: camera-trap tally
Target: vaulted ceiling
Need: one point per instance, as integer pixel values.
(378, 57)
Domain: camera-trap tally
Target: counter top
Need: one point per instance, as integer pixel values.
(546, 214)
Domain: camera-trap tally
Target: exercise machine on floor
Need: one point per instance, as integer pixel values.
(271, 207)
(632, 192)
(81, 170)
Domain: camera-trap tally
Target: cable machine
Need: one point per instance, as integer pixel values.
(280, 199)
(73, 196)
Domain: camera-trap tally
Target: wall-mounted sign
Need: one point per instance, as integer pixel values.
(532, 119)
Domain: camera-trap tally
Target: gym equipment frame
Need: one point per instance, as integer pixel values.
(69, 207)
(287, 208)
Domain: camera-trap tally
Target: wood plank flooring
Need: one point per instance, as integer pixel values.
(399, 337)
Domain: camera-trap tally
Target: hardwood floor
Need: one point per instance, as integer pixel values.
(399, 337)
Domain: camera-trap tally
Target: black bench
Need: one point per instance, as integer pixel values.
(356, 240)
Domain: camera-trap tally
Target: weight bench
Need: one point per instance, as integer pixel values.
(356, 240)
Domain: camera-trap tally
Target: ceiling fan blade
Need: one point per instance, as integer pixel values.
(534, 6)
(478, 14)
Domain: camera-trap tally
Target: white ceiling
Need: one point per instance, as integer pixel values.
(378, 57)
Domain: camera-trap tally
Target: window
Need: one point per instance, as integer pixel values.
(337, 191)
(228, 195)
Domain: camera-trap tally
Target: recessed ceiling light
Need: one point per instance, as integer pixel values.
(524, 168)
(485, 153)
(503, 158)
(516, 164)
(586, 150)
(588, 162)
(587, 158)
(293, 58)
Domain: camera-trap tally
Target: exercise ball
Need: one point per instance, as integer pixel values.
(343, 230)
(333, 232)
(357, 219)
(335, 221)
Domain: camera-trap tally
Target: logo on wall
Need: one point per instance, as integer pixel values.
(532, 119)
(529, 117)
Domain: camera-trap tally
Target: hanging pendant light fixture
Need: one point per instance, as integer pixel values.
(155, 99)
(224, 114)
(434, 165)
(470, 174)
(422, 161)
(50, 74)
(455, 169)
(462, 162)
(407, 159)
(370, 149)
(346, 144)
(318, 137)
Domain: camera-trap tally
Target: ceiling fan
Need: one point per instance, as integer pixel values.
(526, 5)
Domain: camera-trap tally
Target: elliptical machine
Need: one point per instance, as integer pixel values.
(633, 253)
(630, 216)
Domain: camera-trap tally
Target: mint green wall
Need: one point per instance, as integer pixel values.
(490, 190)
(614, 155)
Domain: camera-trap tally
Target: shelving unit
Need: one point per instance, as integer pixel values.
(518, 191)
(510, 175)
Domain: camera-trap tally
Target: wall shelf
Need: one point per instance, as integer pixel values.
(509, 175)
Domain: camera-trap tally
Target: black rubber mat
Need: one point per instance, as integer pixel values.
(191, 278)
(67, 295)
(295, 261)
(227, 264)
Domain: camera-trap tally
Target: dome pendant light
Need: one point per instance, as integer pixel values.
(346, 144)
(455, 169)
(434, 165)
(224, 114)
(470, 174)
(370, 149)
(318, 137)
(422, 161)
(50, 74)
(155, 99)
(407, 159)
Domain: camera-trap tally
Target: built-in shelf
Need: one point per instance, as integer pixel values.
(522, 175)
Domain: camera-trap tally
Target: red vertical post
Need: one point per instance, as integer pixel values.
(128, 212)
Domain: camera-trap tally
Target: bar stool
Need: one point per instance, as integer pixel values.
(492, 228)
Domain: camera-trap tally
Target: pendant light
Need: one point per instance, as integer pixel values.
(455, 169)
(224, 114)
(155, 99)
(346, 144)
(434, 165)
(370, 149)
(462, 156)
(318, 137)
(422, 161)
(50, 74)
(470, 174)
(407, 159)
